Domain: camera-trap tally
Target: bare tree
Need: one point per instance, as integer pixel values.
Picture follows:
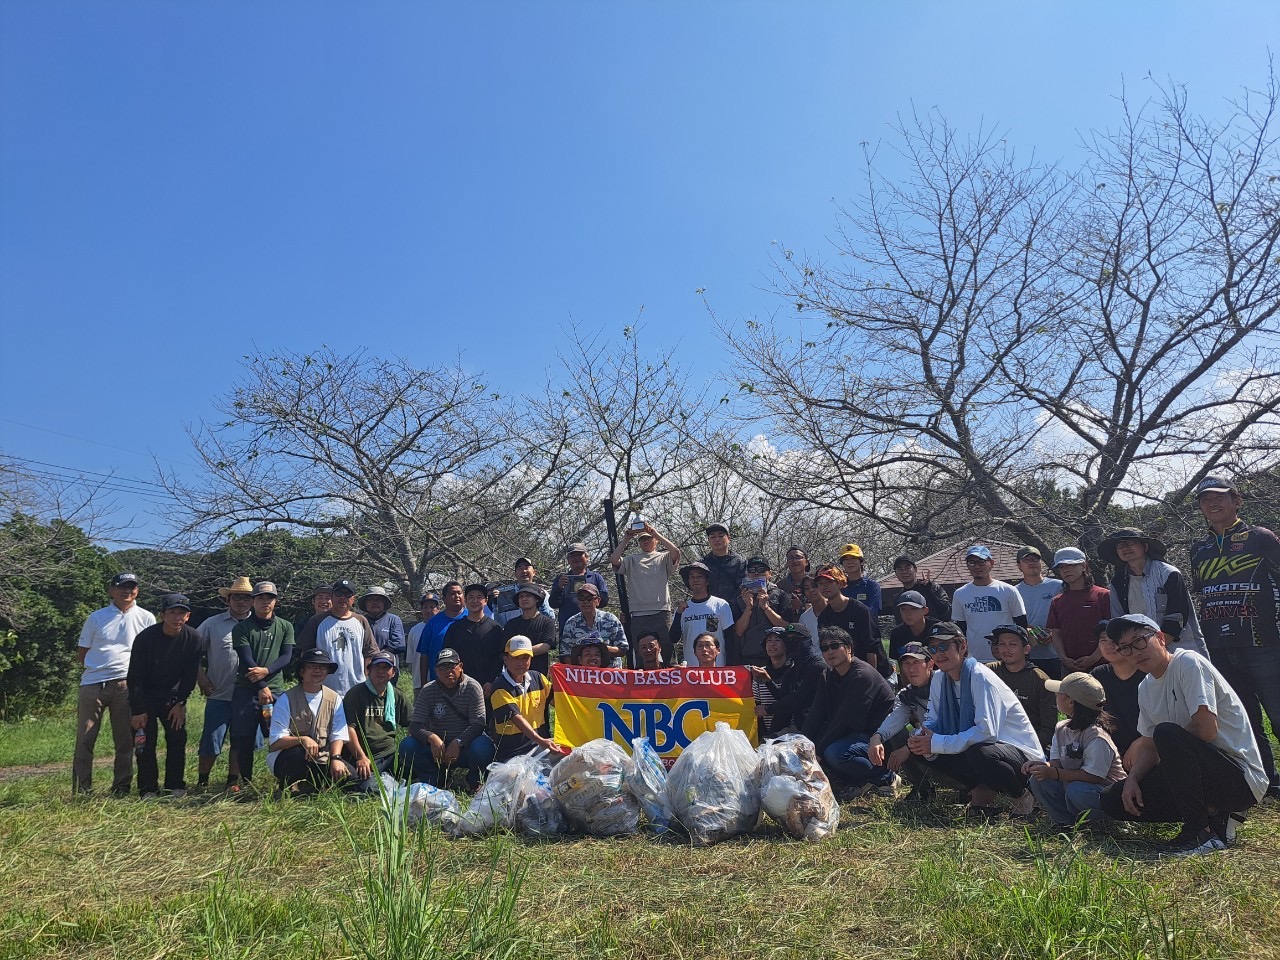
(410, 471)
(994, 329)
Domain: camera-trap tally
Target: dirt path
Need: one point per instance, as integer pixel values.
(45, 769)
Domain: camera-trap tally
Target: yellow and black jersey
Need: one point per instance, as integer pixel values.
(507, 701)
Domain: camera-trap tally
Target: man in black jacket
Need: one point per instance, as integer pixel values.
(851, 701)
(162, 673)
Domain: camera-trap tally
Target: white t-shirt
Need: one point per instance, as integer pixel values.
(280, 720)
(1192, 682)
(983, 609)
(1036, 599)
(694, 621)
(108, 634)
(343, 641)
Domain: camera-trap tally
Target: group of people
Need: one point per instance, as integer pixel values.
(1163, 680)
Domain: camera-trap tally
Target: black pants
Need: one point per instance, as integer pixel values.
(1192, 776)
(994, 765)
(293, 766)
(175, 752)
(246, 721)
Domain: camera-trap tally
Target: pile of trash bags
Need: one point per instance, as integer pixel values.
(718, 788)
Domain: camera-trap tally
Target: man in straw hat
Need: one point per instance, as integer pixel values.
(217, 679)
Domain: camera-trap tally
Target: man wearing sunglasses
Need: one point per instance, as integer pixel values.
(975, 729)
(851, 702)
(1195, 759)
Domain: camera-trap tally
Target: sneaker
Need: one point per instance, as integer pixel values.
(980, 813)
(1225, 825)
(149, 795)
(1201, 842)
(177, 794)
(846, 792)
(889, 789)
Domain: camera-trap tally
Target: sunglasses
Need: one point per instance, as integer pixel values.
(1137, 643)
(824, 647)
(940, 647)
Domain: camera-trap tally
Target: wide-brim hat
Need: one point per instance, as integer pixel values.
(1107, 548)
(534, 591)
(379, 592)
(239, 585)
(576, 656)
(688, 568)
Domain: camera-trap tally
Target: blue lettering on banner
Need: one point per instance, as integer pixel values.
(663, 727)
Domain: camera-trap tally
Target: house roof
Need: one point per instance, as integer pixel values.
(947, 567)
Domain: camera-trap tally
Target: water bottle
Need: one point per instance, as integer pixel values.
(140, 741)
(266, 712)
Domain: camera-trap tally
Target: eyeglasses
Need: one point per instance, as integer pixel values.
(241, 596)
(974, 560)
(1137, 643)
(940, 647)
(824, 647)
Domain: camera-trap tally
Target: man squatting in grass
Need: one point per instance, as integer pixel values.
(976, 730)
(375, 710)
(309, 730)
(1196, 760)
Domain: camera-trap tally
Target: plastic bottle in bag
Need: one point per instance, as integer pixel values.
(591, 785)
(793, 789)
(649, 785)
(712, 787)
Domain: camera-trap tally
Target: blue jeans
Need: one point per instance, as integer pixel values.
(1254, 674)
(420, 766)
(1065, 802)
(847, 759)
(217, 725)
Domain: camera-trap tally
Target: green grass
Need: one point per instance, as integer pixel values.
(331, 878)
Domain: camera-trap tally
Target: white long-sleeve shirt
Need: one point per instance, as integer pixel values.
(997, 714)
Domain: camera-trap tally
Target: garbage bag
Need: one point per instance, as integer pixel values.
(591, 785)
(422, 801)
(793, 789)
(649, 785)
(516, 796)
(712, 788)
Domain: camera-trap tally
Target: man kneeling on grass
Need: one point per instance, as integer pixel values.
(1195, 759)
(375, 710)
(447, 728)
(519, 703)
(309, 730)
(975, 730)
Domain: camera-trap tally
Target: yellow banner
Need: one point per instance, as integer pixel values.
(670, 706)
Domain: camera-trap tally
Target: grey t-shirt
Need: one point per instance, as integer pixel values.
(215, 645)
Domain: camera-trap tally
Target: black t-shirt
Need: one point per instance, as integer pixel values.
(901, 635)
(1122, 703)
(855, 618)
(539, 629)
(479, 644)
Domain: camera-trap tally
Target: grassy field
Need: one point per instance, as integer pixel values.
(329, 878)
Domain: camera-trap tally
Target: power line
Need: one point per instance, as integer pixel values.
(96, 443)
(113, 477)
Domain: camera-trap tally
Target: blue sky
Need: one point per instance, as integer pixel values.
(183, 183)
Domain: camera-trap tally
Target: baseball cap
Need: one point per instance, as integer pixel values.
(447, 656)
(831, 573)
(1080, 687)
(716, 527)
(171, 600)
(324, 588)
(758, 562)
(1025, 552)
(911, 598)
(1214, 485)
(903, 561)
(120, 579)
(522, 562)
(1069, 555)
(343, 586)
(573, 548)
(265, 587)
(1013, 628)
(1116, 626)
(590, 588)
(518, 646)
(382, 657)
(851, 550)
(978, 550)
(914, 650)
(791, 631)
(428, 597)
(945, 630)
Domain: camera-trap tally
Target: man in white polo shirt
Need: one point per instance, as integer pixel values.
(105, 644)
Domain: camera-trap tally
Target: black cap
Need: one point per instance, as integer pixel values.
(945, 629)
(758, 561)
(120, 579)
(1009, 628)
(343, 585)
(690, 567)
(903, 560)
(171, 600)
(1214, 485)
(534, 590)
(317, 656)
